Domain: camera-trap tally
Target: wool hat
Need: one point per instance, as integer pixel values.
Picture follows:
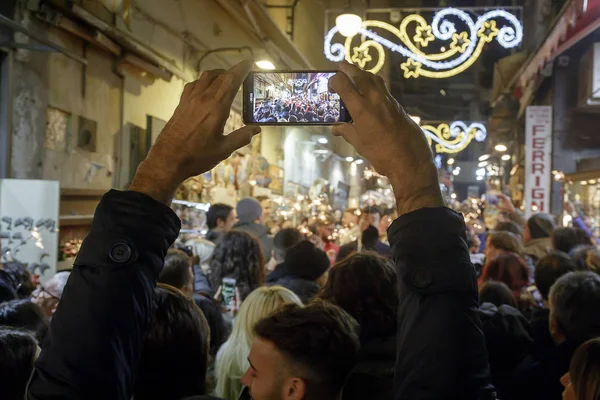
(306, 261)
(540, 225)
(248, 210)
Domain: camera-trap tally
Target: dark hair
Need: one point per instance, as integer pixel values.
(585, 370)
(509, 226)
(175, 349)
(216, 212)
(365, 285)
(176, 269)
(26, 315)
(549, 268)
(369, 237)
(320, 340)
(216, 323)
(284, 240)
(497, 293)
(574, 302)
(17, 357)
(509, 268)
(238, 255)
(566, 239)
(22, 278)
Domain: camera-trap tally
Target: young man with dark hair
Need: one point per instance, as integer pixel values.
(96, 340)
(219, 218)
(288, 361)
(177, 271)
(284, 240)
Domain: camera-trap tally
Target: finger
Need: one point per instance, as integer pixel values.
(187, 91)
(364, 81)
(239, 138)
(207, 78)
(347, 131)
(341, 84)
(229, 83)
(217, 296)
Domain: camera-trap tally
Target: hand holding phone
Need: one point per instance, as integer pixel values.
(292, 98)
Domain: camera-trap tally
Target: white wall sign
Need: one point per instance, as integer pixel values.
(538, 159)
(29, 224)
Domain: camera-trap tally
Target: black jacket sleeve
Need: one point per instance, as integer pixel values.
(93, 346)
(441, 351)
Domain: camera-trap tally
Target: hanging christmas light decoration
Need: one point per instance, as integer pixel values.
(460, 49)
(454, 137)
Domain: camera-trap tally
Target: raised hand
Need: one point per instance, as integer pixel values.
(386, 136)
(192, 142)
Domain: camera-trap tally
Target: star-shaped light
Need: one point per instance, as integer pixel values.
(411, 68)
(460, 41)
(424, 35)
(488, 31)
(361, 56)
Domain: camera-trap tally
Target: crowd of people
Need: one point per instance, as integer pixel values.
(240, 314)
(298, 108)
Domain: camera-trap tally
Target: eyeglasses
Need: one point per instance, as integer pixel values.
(41, 289)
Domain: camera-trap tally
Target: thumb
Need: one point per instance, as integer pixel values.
(239, 138)
(347, 131)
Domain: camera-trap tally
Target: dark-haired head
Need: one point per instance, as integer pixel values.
(583, 257)
(21, 277)
(175, 350)
(238, 255)
(220, 216)
(549, 268)
(284, 240)
(25, 315)
(365, 285)
(566, 239)
(509, 226)
(497, 293)
(308, 352)
(18, 351)
(177, 271)
(508, 268)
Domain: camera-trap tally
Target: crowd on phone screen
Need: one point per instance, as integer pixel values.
(388, 311)
(297, 109)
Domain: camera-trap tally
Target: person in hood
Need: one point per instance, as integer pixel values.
(220, 218)
(365, 286)
(284, 240)
(537, 235)
(251, 220)
(304, 271)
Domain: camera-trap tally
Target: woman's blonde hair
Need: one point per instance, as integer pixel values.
(585, 370)
(232, 358)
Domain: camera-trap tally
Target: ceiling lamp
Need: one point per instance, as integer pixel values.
(484, 157)
(348, 24)
(265, 64)
(500, 147)
(450, 161)
(349, 158)
(359, 161)
(322, 140)
(506, 157)
(482, 164)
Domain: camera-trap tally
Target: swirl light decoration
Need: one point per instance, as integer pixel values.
(461, 47)
(454, 137)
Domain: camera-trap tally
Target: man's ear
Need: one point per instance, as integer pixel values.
(294, 389)
(220, 223)
(555, 330)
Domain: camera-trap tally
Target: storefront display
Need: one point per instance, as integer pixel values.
(583, 190)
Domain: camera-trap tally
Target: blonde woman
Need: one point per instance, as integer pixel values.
(232, 358)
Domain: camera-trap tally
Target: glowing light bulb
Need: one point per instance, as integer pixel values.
(265, 64)
(451, 161)
(359, 161)
(506, 157)
(484, 157)
(500, 147)
(348, 24)
(349, 158)
(482, 164)
(322, 140)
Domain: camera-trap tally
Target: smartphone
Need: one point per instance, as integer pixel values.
(492, 199)
(292, 98)
(227, 291)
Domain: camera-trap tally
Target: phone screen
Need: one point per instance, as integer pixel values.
(227, 291)
(292, 98)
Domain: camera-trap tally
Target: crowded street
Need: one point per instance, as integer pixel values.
(300, 199)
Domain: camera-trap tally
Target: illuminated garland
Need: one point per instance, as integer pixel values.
(464, 47)
(454, 137)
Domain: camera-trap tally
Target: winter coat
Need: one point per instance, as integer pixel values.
(261, 233)
(538, 248)
(305, 289)
(373, 374)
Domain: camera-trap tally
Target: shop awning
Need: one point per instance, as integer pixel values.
(577, 19)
